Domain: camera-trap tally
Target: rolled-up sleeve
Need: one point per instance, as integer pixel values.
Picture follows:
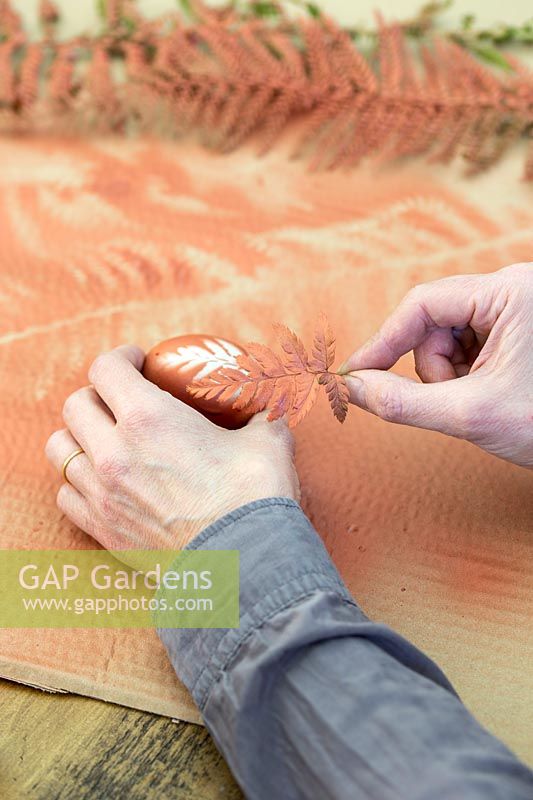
(308, 698)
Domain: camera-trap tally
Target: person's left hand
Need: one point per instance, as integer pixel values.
(154, 471)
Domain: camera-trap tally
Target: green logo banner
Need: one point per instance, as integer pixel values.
(96, 589)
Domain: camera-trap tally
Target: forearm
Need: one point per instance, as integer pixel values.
(309, 698)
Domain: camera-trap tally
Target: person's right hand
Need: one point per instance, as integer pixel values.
(472, 337)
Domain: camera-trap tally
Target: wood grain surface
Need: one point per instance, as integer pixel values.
(63, 746)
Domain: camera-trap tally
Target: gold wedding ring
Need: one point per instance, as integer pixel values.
(67, 461)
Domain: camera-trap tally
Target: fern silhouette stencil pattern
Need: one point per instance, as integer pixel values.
(214, 355)
(109, 241)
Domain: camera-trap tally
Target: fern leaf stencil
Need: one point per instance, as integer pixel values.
(287, 384)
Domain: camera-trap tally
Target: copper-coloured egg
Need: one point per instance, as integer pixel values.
(175, 363)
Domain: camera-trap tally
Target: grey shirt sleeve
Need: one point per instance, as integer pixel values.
(308, 698)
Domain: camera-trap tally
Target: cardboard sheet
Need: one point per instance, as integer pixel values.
(108, 242)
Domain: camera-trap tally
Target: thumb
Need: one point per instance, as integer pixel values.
(260, 422)
(435, 406)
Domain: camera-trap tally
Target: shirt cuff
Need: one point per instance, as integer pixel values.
(282, 561)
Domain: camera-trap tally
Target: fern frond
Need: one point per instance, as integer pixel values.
(287, 385)
(337, 392)
(230, 78)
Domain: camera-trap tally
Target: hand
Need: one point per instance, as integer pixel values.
(472, 338)
(155, 472)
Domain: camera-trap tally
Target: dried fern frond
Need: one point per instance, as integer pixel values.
(285, 384)
(229, 77)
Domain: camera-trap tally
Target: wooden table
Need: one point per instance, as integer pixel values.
(62, 746)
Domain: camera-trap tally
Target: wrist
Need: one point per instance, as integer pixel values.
(259, 478)
(190, 530)
(251, 478)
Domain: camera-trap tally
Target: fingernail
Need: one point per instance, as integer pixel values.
(344, 368)
(356, 387)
